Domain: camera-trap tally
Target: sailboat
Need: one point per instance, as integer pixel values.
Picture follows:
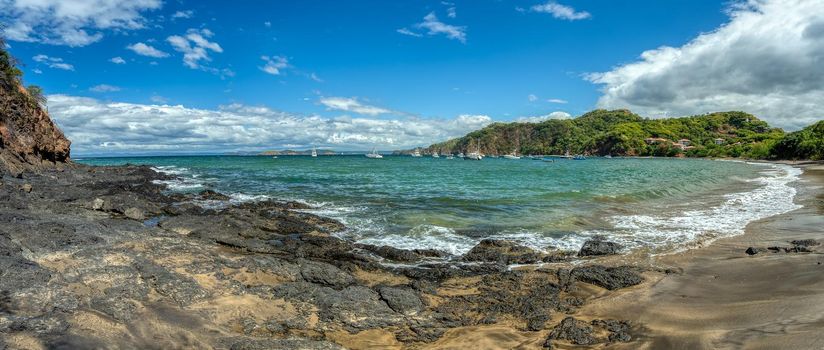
(314, 152)
(435, 154)
(513, 155)
(477, 154)
(416, 153)
(374, 154)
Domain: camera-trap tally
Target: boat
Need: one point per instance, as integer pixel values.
(274, 157)
(567, 155)
(435, 154)
(416, 153)
(475, 155)
(450, 156)
(461, 155)
(314, 152)
(374, 154)
(608, 156)
(513, 155)
(579, 157)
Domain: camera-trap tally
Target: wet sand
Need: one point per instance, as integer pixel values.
(726, 299)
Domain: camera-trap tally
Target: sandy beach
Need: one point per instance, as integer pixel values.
(727, 299)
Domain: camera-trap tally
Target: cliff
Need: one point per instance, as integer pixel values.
(29, 139)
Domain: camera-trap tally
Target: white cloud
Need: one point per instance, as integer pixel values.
(556, 100)
(352, 105)
(159, 99)
(104, 88)
(436, 27)
(53, 62)
(117, 60)
(97, 127)
(37, 71)
(274, 64)
(195, 46)
(147, 50)
(405, 31)
(71, 22)
(532, 98)
(767, 61)
(561, 11)
(183, 14)
(267, 24)
(451, 12)
(315, 77)
(541, 118)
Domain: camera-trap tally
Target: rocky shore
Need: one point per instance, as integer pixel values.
(105, 257)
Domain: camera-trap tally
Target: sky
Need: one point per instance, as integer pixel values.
(166, 77)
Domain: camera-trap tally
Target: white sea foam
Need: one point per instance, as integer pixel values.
(681, 230)
(426, 237)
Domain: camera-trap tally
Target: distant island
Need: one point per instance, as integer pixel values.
(288, 152)
(623, 133)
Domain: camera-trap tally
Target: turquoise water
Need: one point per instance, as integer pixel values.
(661, 204)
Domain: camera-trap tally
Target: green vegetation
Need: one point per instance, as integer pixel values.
(807, 143)
(621, 132)
(11, 78)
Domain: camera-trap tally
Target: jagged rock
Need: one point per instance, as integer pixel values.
(754, 250)
(503, 251)
(402, 300)
(98, 203)
(598, 246)
(618, 330)
(391, 253)
(212, 195)
(266, 344)
(26, 188)
(573, 331)
(607, 277)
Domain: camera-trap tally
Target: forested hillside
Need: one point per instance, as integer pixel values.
(621, 132)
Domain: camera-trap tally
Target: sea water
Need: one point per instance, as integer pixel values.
(658, 204)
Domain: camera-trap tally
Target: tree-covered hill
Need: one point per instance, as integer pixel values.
(621, 132)
(807, 143)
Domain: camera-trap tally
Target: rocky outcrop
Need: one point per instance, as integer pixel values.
(598, 246)
(29, 139)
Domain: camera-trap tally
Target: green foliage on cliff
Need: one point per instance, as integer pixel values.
(807, 143)
(9, 73)
(621, 132)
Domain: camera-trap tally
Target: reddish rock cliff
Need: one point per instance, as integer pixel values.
(29, 140)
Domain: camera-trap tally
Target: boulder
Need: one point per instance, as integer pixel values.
(503, 251)
(26, 188)
(402, 300)
(135, 214)
(598, 246)
(611, 278)
(571, 330)
(98, 204)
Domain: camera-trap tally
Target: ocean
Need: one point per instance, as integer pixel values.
(661, 205)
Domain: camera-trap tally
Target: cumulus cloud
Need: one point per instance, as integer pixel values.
(97, 127)
(147, 50)
(72, 23)
(436, 27)
(195, 46)
(767, 60)
(274, 64)
(53, 62)
(561, 11)
(117, 60)
(540, 118)
(352, 105)
(556, 100)
(104, 88)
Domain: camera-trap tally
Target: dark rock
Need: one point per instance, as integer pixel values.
(618, 330)
(598, 246)
(805, 242)
(26, 188)
(391, 253)
(212, 195)
(135, 214)
(571, 330)
(325, 274)
(754, 250)
(503, 251)
(607, 277)
(267, 344)
(402, 300)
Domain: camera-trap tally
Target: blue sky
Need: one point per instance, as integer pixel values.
(393, 61)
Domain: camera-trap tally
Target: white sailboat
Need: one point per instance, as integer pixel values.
(435, 154)
(416, 153)
(374, 154)
(477, 154)
(314, 152)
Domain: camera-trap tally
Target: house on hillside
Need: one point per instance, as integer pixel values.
(684, 142)
(719, 141)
